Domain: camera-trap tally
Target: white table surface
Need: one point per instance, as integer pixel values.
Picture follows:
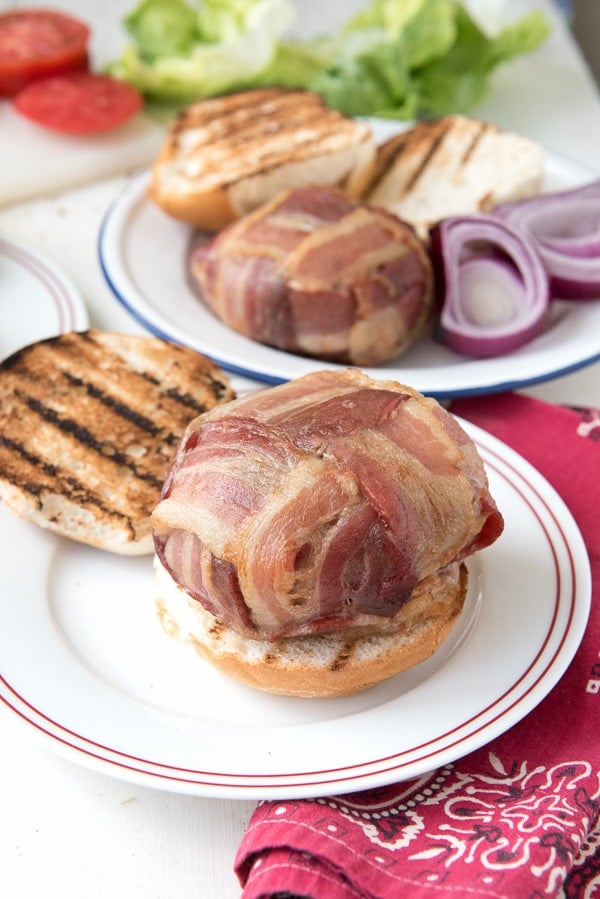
(71, 832)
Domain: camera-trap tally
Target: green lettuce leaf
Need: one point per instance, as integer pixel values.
(179, 53)
(360, 83)
(424, 28)
(162, 28)
(460, 80)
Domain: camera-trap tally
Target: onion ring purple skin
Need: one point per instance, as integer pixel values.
(565, 226)
(483, 252)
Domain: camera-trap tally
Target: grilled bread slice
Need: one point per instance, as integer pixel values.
(89, 423)
(450, 166)
(223, 157)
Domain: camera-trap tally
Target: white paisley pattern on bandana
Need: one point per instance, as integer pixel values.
(589, 426)
(535, 817)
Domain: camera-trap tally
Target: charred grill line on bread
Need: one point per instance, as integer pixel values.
(477, 136)
(388, 154)
(342, 658)
(89, 424)
(266, 129)
(221, 392)
(400, 147)
(140, 420)
(437, 144)
(116, 406)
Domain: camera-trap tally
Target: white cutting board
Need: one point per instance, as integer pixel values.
(35, 161)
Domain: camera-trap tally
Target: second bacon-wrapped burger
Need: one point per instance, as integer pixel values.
(315, 273)
(310, 538)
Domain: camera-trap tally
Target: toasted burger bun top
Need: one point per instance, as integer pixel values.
(225, 156)
(89, 424)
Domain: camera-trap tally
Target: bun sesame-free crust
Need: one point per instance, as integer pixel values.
(325, 665)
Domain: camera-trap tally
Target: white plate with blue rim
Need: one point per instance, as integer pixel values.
(143, 254)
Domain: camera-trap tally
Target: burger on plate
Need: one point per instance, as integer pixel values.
(311, 538)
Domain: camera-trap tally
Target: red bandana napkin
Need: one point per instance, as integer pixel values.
(519, 817)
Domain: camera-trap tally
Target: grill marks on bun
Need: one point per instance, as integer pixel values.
(89, 423)
(231, 138)
(224, 157)
(450, 166)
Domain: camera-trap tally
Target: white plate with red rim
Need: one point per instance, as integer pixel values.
(143, 255)
(85, 664)
(37, 300)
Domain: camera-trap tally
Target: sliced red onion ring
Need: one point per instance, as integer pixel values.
(494, 288)
(566, 229)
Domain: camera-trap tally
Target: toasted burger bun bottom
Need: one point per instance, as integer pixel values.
(324, 665)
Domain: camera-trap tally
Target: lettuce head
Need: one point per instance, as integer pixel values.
(396, 58)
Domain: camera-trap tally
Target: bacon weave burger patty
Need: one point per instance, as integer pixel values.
(315, 273)
(321, 505)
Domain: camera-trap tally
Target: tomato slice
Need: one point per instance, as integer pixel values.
(36, 43)
(79, 103)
